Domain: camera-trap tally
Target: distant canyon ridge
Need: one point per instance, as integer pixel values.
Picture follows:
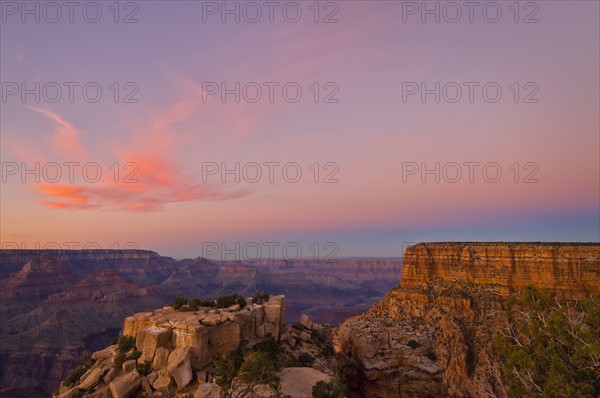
(55, 305)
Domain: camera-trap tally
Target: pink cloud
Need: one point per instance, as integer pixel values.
(66, 137)
(147, 179)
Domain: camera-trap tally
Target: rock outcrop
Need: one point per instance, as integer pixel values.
(173, 347)
(432, 335)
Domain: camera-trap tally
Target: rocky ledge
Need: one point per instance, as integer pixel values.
(173, 350)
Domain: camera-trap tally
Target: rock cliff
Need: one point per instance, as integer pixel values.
(174, 350)
(432, 335)
(569, 269)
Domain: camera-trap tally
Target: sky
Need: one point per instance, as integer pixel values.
(237, 130)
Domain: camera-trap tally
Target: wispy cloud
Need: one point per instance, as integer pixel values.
(148, 177)
(66, 137)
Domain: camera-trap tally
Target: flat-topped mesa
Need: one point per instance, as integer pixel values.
(207, 333)
(572, 270)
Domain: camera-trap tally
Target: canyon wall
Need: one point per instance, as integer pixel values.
(570, 269)
(431, 336)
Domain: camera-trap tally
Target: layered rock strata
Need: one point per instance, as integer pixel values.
(432, 335)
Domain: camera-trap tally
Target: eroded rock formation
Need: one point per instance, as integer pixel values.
(176, 346)
(432, 335)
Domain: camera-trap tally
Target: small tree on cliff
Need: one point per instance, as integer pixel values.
(232, 299)
(259, 368)
(550, 348)
(178, 302)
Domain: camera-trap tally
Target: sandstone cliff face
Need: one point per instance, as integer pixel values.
(570, 269)
(176, 346)
(432, 335)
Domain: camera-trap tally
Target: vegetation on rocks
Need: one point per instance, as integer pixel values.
(260, 297)
(332, 389)
(183, 304)
(255, 367)
(550, 348)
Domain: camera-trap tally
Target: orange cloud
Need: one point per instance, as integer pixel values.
(147, 178)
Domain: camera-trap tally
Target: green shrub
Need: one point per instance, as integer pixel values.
(207, 303)
(259, 367)
(287, 360)
(144, 368)
(268, 346)
(327, 351)
(260, 297)
(227, 367)
(413, 344)
(74, 375)
(332, 389)
(178, 302)
(135, 354)
(319, 335)
(306, 359)
(118, 359)
(194, 304)
(125, 344)
(228, 301)
(550, 348)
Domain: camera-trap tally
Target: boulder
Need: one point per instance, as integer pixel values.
(124, 386)
(179, 366)
(90, 379)
(305, 321)
(153, 338)
(70, 393)
(146, 386)
(208, 390)
(129, 365)
(105, 353)
(108, 377)
(161, 357)
(163, 381)
(274, 309)
(298, 382)
(152, 377)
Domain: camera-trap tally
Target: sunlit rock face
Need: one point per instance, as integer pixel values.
(206, 333)
(570, 269)
(177, 347)
(432, 335)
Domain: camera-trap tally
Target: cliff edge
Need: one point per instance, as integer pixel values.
(432, 336)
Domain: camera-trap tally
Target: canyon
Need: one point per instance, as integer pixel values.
(422, 328)
(57, 305)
